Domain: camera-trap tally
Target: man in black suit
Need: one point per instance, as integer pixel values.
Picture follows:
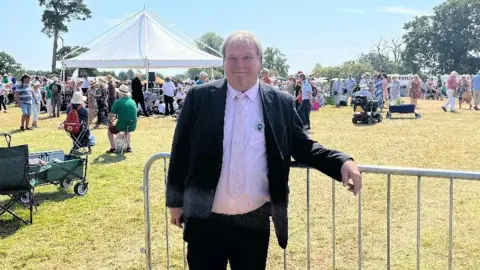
(137, 94)
(230, 163)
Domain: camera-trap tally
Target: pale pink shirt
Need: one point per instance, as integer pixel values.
(255, 192)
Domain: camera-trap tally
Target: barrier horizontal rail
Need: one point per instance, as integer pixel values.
(384, 170)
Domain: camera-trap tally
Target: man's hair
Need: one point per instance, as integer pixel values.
(301, 75)
(240, 37)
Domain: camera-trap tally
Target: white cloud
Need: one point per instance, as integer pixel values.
(401, 10)
(350, 10)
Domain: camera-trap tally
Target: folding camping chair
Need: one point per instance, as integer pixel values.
(14, 179)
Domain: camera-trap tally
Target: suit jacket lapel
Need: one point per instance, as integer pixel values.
(218, 101)
(271, 129)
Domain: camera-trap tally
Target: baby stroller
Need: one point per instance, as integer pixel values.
(365, 111)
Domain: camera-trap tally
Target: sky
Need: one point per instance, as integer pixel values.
(306, 31)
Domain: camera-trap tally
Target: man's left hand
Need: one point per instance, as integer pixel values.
(349, 171)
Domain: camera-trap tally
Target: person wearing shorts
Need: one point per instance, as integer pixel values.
(124, 111)
(24, 96)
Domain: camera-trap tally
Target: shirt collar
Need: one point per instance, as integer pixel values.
(251, 93)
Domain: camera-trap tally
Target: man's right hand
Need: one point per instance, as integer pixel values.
(176, 217)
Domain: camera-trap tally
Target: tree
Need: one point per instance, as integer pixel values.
(354, 68)
(122, 75)
(8, 64)
(419, 54)
(275, 61)
(67, 51)
(214, 41)
(57, 14)
(385, 55)
(455, 38)
(130, 74)
(444, 41)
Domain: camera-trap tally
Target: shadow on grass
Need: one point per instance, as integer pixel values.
(109, 159)
(9, 227)
(15, 131)
(58, 196)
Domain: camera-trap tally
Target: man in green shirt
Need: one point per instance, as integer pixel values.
(124, 110)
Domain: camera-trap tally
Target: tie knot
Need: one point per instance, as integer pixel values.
(240, 96)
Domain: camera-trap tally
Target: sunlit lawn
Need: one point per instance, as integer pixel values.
(105, 229)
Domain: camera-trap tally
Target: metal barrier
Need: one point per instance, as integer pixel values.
(384, 170)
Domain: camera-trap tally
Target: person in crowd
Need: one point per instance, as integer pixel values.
(92, 102)
(265, 74)
(379, 91)
(337, 91)
(415, 89)
(168, 94)
(137, 94)
(307, 100)
(37, 103)
(124, 111)
(365, 91)
(3, 97)
(466, 92)
(48, 95)
(350, 84)
(476, 90)
(290, 87)
(203, 78)
(384, 78)
(452, 84)
(230, 163)
(85, 85)
(395, 89)
(101, 96)
(56, 90)
(23, 96)
(78, 103)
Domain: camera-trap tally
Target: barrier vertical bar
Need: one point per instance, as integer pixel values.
(334, 230)
(419, 243)
(450, 227)
(166, 215)
(308, 218)
(359, 260)
(389, 183)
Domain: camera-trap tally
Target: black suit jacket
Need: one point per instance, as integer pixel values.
(137, 89)
(196, 157)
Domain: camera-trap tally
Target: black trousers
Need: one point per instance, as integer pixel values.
(3, 101)
(305, 112)
(241, 240)
(168, 105)
(142, 103)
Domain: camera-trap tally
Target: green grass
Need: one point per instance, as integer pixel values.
(105, 229)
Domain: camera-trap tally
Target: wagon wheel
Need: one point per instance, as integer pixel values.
(369, 120)
(380, 118)
(354, 120)
(65, 184)
(80, 189)
(26, 198)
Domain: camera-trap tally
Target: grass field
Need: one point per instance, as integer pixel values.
(105, 229)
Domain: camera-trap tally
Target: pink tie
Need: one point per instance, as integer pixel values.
(235, 185)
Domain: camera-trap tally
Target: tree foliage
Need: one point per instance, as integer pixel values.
(385, 55)
(8, 64)
(214, 41)
(275, 61)
(349, 68)
(446, 41)
(67, 51)
(57, 14)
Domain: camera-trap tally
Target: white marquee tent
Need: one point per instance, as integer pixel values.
(142, 42)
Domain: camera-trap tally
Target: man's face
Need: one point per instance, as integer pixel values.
(26, 81)
(242, 65)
